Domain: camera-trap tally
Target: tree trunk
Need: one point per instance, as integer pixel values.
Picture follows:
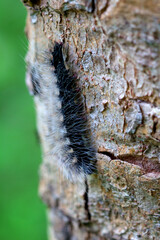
(113, 47)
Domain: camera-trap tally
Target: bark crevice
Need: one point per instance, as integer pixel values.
(86, 200)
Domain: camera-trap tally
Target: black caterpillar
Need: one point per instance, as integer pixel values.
(69, 136)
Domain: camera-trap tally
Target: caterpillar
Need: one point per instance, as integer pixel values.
(69, 135)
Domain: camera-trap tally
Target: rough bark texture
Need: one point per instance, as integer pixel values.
(114, 47)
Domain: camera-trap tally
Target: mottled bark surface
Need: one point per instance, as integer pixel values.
(114, 48)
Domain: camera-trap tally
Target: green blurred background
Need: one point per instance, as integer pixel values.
(22, 214)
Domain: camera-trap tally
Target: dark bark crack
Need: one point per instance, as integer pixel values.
(86, 200)
(109, 154)
(90, 5)
(104, 8)
(147, 164)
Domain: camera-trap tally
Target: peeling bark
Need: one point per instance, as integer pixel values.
(114, 48)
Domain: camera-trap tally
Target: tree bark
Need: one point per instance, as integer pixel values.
(113, 46)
